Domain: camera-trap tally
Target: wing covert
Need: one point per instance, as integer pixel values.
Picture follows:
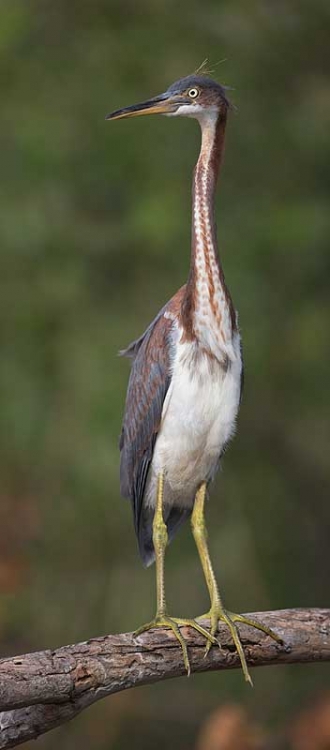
(148, 384)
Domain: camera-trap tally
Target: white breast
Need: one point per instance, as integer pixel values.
(198, 419)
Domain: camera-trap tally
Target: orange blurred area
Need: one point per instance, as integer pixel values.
(232, 728)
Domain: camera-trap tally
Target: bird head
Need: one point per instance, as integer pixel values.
(194, 96)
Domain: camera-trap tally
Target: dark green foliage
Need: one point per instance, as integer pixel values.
(95, 225)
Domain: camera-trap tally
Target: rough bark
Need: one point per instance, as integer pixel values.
(41, 690)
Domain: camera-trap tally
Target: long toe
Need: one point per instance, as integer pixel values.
(208, 635)
(218, 614)
(174, 624)
(257, 625)
(170, 623)
(213, 616)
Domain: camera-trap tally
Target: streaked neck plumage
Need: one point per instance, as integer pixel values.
(207, 312)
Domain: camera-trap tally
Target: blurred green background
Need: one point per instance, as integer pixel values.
(95, 225)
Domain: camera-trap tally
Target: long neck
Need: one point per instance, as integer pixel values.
(207, 310)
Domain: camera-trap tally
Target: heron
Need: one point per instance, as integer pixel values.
(185, 382)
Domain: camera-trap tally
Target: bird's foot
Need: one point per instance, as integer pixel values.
(174, 624)
(218, 614)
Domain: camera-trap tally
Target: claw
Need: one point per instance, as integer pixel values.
(174, 624)
(217, 613)
(257, 625)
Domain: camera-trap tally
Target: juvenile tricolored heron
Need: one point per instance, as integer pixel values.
(185, 382)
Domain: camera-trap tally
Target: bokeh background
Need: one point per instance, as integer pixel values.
(95, 233)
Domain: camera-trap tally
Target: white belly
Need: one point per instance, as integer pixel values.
(198, 419)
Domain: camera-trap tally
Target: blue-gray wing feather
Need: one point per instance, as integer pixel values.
(149, 381)
(148, 384)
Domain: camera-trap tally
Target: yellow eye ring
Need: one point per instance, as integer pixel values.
(193, 93)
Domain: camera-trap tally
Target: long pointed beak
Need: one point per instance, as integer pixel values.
(162, 104)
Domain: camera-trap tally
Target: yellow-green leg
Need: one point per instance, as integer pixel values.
(162, 620)
(217, 611)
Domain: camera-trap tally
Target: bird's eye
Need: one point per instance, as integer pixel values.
(193, 93)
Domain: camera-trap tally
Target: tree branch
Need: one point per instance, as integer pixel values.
(41, 690)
